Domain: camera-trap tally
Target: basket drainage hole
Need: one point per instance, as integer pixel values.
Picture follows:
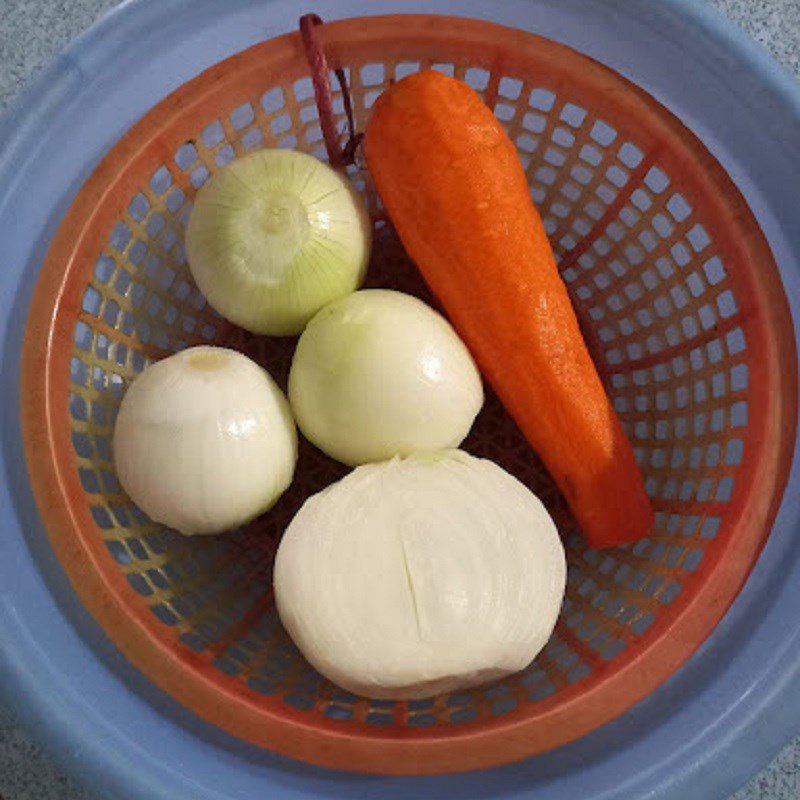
(118, 552)
(504, 705)
(140, 585)
(379, 718)
(193, 642)
(510, 88)
(476, 78)
(262, 685)
(541, 690)
(338, 712)
(602, 133)
(541, 99)
(464, 715)
(301, 702)
(272, 100)
(164, 614)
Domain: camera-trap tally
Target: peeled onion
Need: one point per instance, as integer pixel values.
(275, 236)
(378, 374)
(419, 576)
(204, 441)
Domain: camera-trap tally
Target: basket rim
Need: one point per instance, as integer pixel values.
(110, 603)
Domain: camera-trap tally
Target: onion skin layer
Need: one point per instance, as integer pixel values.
(204, 441)
(275, 236)
(378, 374)
(422, 575)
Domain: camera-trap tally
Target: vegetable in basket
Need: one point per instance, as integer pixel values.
(420, 575)
(204, 440)
(378, 374)
(275, 236)
(452, 183)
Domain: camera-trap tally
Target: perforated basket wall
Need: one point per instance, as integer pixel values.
(682, 307)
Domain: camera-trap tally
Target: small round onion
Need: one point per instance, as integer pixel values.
(378, 374)
(204, 441)
(419, 576)
(274, 236)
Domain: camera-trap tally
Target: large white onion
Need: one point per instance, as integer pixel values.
(204, 440)
(419, 576)
(274, 236)
(378, 374)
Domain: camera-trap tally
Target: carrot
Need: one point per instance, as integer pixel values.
(452, 184)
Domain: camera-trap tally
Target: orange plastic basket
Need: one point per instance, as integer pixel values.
(684, 312)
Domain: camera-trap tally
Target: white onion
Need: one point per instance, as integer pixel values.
(419, 576)
(204, 440)
(273, 237)
(378, 374)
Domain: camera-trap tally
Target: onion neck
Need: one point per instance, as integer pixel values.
(279, 229)
(283, 214)
(207, 359)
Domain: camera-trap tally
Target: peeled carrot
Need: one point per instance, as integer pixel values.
(452, 184)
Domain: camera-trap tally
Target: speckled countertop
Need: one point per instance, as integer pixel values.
(31, 33)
